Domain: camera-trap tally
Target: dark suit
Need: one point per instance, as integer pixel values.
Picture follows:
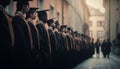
(97, 45)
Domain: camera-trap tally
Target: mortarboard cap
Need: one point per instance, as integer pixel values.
(63, 26)
(69, 28)
(42, 12)
(75, 32)
(50, 21)
(32, 9)
(42, 15)
(57, 23)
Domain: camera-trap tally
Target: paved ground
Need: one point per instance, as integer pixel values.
(100, 63)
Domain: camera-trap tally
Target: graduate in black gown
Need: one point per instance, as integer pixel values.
(69, 38)
(23, 37)
(64, 39)
(45, 45)
(53, 40)
(59, 55)
(30, 16)
(57, 34)
(52, 36)
(6, 37)
(64, 44)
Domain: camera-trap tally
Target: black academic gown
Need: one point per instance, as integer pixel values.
(53, 41)
(23, 44)
(59, 41)
(64, 50)
(64, 42)
(36, 54)
(69, 40)
(6, 40)
(45, 45)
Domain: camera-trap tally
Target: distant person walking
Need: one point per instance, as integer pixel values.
(97, 47)
(103, 48)
(106, 48)
(92, 45)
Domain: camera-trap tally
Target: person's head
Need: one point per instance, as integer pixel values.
(42, 15)
(31, 13)
(23, 6)
(4, 3)
(103, 40)
(63, 28)
(92, 39)
(53, 26)
(57, 25)
(97, 39)
(50, 22)
(75, 33)
(69, 30)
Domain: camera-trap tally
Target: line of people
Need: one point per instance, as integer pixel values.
(43, 44)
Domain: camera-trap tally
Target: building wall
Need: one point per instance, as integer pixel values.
(70, 12)
(112, 8)
(86, 13)
(118, 15)
(65, 12)
(94, 27)
(76, 14)
(111, 18)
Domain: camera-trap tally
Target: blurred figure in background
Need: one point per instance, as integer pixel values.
(97, 47)
(108, 47)
(103, 48)
(92, 45)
